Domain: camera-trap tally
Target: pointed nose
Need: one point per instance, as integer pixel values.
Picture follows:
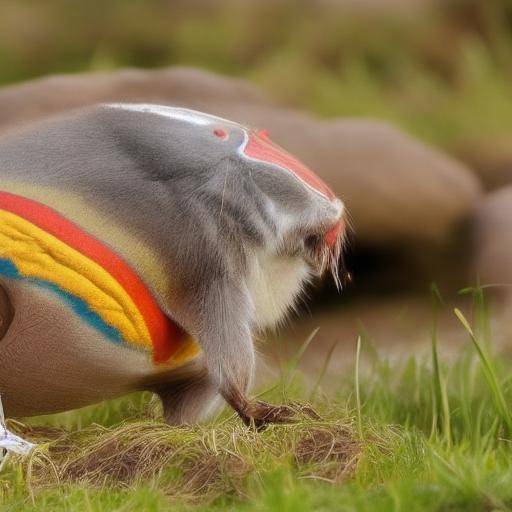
(338, 228)
(333, 235)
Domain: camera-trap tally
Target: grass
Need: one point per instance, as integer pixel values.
(415, 434)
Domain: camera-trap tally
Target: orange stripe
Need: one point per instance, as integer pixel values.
(166, 335)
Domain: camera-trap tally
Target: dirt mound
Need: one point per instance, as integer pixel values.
(191, 463)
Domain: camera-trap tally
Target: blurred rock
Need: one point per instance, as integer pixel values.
(493, 240)
(396, 188)
(490, 158)
(493, 258)
(49, 95)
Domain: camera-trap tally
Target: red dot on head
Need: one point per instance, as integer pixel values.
(263, 134)
(222, 134)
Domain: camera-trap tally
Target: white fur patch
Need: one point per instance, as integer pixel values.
(274, 285)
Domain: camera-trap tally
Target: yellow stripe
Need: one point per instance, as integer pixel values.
(189, 350)
(39, 255)
(131, 247)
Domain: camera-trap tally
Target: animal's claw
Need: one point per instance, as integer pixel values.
(260, 414)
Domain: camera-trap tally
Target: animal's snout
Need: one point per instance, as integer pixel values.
(334, 234)
(337, 229)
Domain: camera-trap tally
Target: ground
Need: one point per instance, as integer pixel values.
(412, 433)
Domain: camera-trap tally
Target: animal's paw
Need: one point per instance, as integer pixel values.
(306, 410)
(260, 414)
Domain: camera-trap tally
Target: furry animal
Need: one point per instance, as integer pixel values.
(141, 247)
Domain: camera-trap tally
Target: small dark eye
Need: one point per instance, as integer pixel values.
(221, 134)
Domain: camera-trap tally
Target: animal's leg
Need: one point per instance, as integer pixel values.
(230, 357)
(189, 400)
(258, 413)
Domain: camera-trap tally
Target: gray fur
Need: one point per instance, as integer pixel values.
(210, 216)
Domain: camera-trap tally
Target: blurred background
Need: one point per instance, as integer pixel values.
(441, 69)
(404, 106)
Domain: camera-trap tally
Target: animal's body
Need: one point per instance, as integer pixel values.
(141, 247)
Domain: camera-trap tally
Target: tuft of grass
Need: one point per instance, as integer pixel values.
(491, 376)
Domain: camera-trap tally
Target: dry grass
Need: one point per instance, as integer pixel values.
(196, 463)
(329, 453)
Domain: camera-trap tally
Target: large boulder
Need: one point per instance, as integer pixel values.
(46, 96)
(493, 259)
(490, 157)
(493, 241)
(396, 188)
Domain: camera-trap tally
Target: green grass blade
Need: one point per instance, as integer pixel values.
(357, 389)
(324, 369)
(490, 375)
(442, 406)
(297, 358)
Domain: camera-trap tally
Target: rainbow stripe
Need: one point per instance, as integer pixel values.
(38, 244)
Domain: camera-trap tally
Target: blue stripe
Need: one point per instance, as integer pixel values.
(79, 306)
(8, 269)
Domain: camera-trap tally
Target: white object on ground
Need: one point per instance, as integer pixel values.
(10, 442)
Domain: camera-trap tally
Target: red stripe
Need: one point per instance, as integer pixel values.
(260, 147)
(165, 334)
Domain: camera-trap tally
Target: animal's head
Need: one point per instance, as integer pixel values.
(302, 214)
